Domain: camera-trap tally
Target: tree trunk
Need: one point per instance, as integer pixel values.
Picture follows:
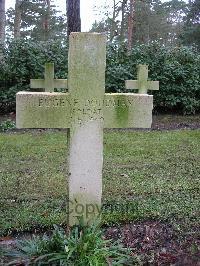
(122, 30)
(112, 32)
(2, 20)
(130, 25)
(46, 21)
(18, 17)
(73, 16)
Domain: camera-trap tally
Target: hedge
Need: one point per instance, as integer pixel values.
(177, 69)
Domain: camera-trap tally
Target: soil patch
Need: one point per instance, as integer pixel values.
(156, 243)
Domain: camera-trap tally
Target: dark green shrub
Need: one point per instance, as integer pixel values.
(177, 69)
(6, 125)
(24, 60)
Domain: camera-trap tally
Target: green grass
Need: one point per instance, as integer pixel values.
(152, 175)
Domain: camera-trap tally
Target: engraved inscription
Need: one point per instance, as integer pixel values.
(91, 104)
(115, 110)
(86, 114)
(90, 109)
(52, 102)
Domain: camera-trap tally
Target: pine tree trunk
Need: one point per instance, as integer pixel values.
(73, 16)
(46, 22)
(112, 32)
(122, 30)
(130, 25)
(17, 21)
(2, 20)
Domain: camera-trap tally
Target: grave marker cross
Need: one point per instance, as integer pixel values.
(48, 83)
(142, 84)
(85, 110)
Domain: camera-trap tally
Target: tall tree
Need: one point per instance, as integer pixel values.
(110, 25)
(73, 16)
(18, 18)
(130, 24)
(2, 20)
(123, 13)
(113, 21)
(144, 21)
(39, 20)
(191, 34)
(46, 20)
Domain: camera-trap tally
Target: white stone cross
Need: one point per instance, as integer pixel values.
(85, 110)
(142, 84)
(49, 83)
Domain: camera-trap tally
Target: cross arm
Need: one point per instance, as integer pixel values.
(42, 110)
(153, 85)
(60, 83)
(40, 83)
(37, 83)
(133, 85)
(55, 110)
(127, 110)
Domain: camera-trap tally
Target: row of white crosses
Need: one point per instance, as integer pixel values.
(49, 83)
(85, 110)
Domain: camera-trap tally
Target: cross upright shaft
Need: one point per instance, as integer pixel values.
(86, 81)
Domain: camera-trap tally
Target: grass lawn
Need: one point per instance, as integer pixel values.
(147, 175)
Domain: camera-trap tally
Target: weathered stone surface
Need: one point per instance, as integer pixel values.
(42, 110)
(86, 81)
(54, 110)
(127, 110)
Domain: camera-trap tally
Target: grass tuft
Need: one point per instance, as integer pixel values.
(83, 246)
